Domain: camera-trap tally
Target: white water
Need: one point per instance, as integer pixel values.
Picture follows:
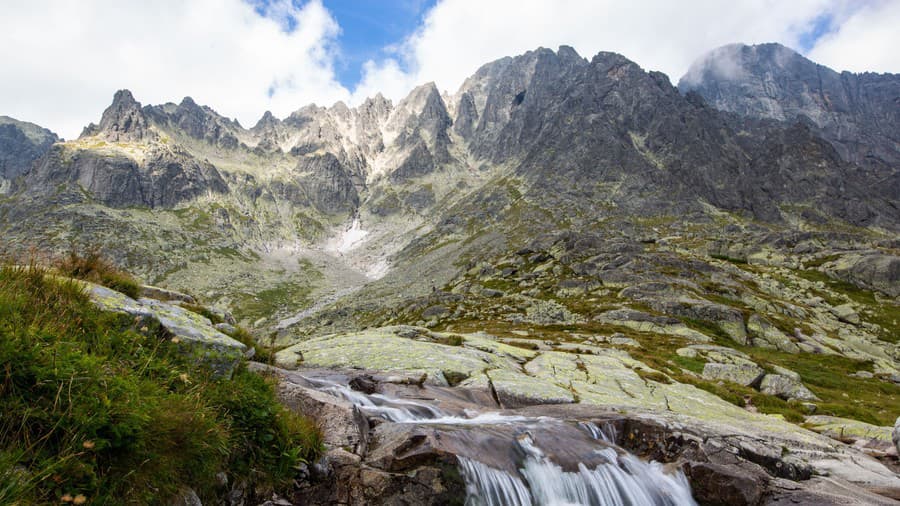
(623, 480)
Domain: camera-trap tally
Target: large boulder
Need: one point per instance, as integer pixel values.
(743, 374)
(727, 318)
(873, 270)
(786, 387)
(193, 333)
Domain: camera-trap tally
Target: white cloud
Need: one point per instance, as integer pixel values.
(63, 60)
(867, 40)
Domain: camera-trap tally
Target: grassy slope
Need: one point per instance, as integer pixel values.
(98, 405)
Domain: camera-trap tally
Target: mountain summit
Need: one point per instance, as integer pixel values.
(858, 113)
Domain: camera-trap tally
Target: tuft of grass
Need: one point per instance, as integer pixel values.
(100, 405)
(204, 311)
(92, 266)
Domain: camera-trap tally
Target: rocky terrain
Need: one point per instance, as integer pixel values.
(715, 266)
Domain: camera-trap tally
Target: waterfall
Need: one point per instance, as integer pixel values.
(620, 479)
(624, 480)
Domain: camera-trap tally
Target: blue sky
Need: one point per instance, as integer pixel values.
(369, 27)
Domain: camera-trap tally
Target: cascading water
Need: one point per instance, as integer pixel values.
(623, 480)
(617, 479)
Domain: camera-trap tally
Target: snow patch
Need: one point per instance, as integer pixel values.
(351, 238)
(378, 270)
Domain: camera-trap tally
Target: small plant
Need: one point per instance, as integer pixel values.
(92, 266)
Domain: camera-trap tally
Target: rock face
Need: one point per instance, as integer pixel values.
(771, 81)
(874, 270)
(21, 144)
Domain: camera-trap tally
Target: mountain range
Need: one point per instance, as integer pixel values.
(555, 213)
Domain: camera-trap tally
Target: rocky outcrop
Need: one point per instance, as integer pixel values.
(766, 335)
(152, 176)
(123, 120)
(21, 144)
(410, 463)
(872, 270)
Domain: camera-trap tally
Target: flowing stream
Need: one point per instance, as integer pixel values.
(612, 477)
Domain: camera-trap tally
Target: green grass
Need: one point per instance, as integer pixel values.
(204, 311)
(99, 405)
(268, 302)
(91, 266)
(828, 376)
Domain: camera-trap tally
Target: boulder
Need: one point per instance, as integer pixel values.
(342, 424)
(846, 313)
(727, 318)
(644, 322)
(844, 429)
(786, 387)
(766, 335)
(193, 333)
(718, 484)
(743, 374)
(874, 270)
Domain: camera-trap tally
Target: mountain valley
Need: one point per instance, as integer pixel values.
(716, 263)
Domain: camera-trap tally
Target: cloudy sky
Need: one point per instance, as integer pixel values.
(61, 61)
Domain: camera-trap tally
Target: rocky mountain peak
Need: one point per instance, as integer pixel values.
(771, 81)
(124, 119)
(21, 143)
(268, 120)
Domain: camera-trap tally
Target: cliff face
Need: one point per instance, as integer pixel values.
(857, 113)
(21, 144)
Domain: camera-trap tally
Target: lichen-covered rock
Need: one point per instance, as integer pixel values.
(744, 374)
(727, 318)
(164, 294)
(643, 322)
(874, 270)
(193, 333)
(786, 387)
(384, 350)
(515, 390)
(844, 428)
(718, 354)
(846, 313)
(766, 335)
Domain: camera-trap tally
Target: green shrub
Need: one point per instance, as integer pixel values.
(94, 405)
